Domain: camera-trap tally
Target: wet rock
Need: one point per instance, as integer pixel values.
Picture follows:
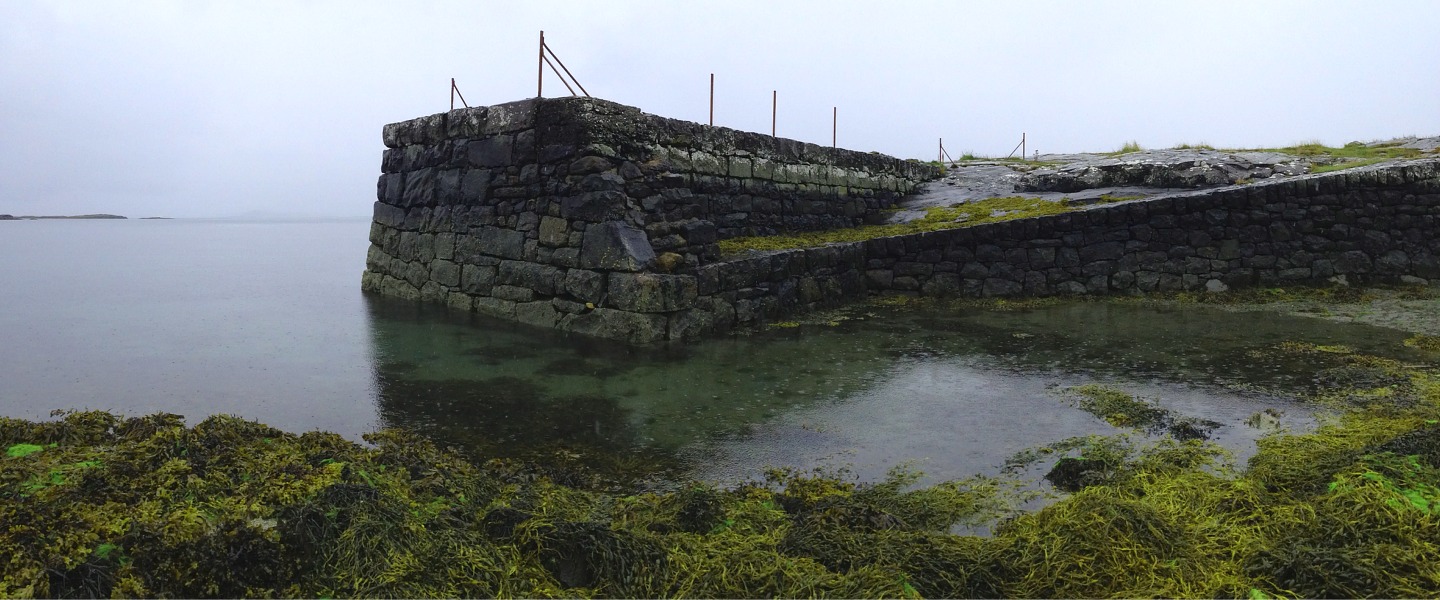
(616, 324)
(651, 292)
(615, 246)
(1162, 169)
(1072, 474)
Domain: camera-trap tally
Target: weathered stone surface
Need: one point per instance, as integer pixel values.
(554, 231)
(445, 273)
(651, 292)
(540, 313)
(544, 279)
(511, 117)
(495, 307)
(490, 152)
(475, 186)
(477, 279)
(1001, 287)
(1162, 169)
(460, 301)
(502, 243)
(617, 324)
(512, 293)
(590, 164)
(594, 206)
(419, 188)
(615, 246)
(585, 286)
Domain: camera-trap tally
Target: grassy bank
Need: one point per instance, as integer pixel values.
(988, 210)
(97, 505)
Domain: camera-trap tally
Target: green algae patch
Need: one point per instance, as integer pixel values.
(1122, 409)
(149, 506)
(21, 450)
(990, 210)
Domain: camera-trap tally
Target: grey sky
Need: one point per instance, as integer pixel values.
(193, 109)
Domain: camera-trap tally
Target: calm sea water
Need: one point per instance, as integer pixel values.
(266, 320)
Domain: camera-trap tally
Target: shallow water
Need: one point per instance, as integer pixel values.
(952, 392)
(265, 320)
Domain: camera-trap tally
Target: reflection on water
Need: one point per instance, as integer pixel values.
(954, 391)
(265, 320)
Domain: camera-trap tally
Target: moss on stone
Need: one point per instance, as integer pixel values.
(990, 210)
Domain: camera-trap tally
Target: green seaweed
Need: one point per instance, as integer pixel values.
(147, 506)
(20, 450)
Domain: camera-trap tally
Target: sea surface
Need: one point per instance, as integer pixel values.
(266, 320)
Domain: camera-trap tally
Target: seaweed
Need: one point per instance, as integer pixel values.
(1125, 410)
(93, 504)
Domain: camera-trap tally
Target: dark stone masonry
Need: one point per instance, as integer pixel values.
(596, 218)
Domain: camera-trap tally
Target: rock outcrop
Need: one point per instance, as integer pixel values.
(1163, 169)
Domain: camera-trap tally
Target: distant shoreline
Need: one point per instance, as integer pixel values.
(39, 217)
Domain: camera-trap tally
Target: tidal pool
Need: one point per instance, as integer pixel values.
(950, 391)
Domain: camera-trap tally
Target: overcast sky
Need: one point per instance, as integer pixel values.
(201, 109)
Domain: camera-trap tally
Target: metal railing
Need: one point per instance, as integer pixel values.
(566, 79)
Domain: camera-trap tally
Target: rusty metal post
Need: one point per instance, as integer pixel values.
(1022, 146)
(712, 99)
(774, 98)
(834, 124)
(940, 156)
(452, 93)
(540, 68)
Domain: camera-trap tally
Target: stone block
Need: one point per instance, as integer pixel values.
(594, 206)
(445, 273)
(554, 231)
(391, 188)
(613, 324)
(466, 123)
(495, 307)
(477, 279)
(651, 292)
(419, 188)
(512, 293)
(585, 286)
(389, 216)
(460, 301)
(445, 246)
(1353, 261)
(399, 288)
(586, 165)
(502, 243)
(511, 117)
(475, 186)
(490, 152)
(1394, 262)
(544, 279)
(941, 284)
(690, 324)
(1001, 287)
(433, 292)
(540, 313)
(615, 246)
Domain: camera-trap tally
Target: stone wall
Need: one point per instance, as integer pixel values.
(1373, 224)
(594, 217)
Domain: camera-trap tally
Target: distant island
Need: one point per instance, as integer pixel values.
(37, 217)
